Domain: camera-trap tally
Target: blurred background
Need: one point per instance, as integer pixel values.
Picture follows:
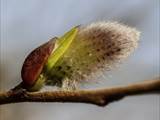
(26, 24)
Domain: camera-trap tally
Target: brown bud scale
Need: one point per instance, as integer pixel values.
(35, 61)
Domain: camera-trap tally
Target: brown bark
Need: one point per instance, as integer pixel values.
(99, 97)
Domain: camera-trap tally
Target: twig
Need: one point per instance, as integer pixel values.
(99, 97)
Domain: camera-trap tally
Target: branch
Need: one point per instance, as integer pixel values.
(99, 97)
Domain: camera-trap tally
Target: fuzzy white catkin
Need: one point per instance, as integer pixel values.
(97, 46)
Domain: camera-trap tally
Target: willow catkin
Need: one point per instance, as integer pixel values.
(97, 46)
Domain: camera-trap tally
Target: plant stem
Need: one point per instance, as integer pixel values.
(99, 97)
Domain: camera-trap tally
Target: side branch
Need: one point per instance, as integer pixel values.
(99, 97)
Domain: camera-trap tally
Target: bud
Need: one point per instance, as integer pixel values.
(86, 50)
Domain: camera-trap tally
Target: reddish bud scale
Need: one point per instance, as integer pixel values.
(35, 61)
